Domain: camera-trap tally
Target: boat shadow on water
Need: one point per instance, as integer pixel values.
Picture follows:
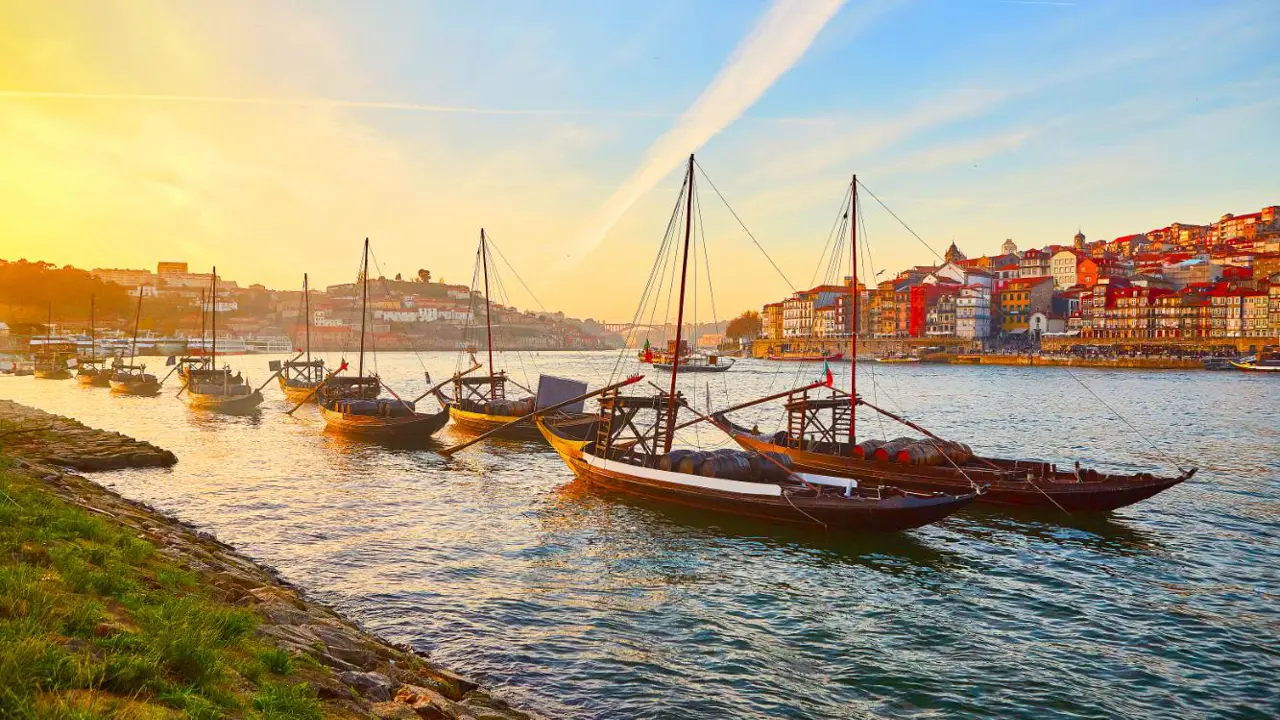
(1106, 533)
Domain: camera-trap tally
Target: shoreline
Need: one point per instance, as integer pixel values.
(364, 675)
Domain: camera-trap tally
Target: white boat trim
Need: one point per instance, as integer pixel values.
(675, 478)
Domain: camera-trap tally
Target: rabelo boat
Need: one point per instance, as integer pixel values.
(92, 371)
(209, 387)
(820, 438)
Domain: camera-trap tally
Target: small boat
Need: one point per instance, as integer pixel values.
(698, 363)
(897, 358)
(212, 388)
(131, 379)
(134, 380)
(347, 408)
(480, 404)
(628, 449)
(818, 357)
(1266, 361)
(1219, 363)
(52, 359)
(300, 378)
(91, 371)
(820, 437)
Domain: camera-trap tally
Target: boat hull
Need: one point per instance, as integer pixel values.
(142, 389)
(239, 403)
(805, 358)
(93, 379)
(1251, 367)
(52, 374)
(1076, 497)
(891, 514)
(695, 368)
(479, 423)
(298, 393)
(419, 426)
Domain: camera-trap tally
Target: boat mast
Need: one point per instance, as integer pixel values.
(204, 341)
(488, 322)
(137, 317)
(853, 319)
(306, 302)
(93, 343)
(364, 299)
(213, 320)
(675, 359)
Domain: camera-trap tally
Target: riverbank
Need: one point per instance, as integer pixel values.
(1112, 363)
(109, 608)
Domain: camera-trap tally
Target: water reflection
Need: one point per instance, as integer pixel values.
(597, 606)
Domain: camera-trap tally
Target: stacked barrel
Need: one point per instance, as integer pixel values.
(728, 464)
(914, 451)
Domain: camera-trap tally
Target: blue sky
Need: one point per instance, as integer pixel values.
(209, 132)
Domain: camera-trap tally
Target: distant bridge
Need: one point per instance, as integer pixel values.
(623, 328)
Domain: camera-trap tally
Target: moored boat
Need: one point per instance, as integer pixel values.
(479, 404)
(91, 371)
(299, 378)
(697, 363)
(820, 437)
(1266, 361)
(52, 360)
(347, 408)
(814, 357)
(212, 388)
(629, 449)
(133, 380)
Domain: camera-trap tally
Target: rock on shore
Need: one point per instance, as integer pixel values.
(56, 440)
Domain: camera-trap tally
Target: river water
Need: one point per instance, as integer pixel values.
(585, 606)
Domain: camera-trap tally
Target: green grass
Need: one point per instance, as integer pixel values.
(95, 623)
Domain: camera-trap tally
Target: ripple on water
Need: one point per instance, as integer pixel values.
(595, 607)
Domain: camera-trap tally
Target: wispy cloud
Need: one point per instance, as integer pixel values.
(776, 43)
(313, 102)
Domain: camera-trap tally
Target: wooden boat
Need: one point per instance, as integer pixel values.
(51, 361)
(213, 388)
(1267, 361)
(480, 404)
(897, 358)
(698, 363)
(347, 409)
(91, 371)
(134, 380)
(805, 357)
(628, 449)
(820, 437)
(299, 378)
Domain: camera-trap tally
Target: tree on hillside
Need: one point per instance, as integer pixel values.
(747, 325)
(27, 289)
(424, 276)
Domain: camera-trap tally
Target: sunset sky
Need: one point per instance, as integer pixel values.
(270, 137)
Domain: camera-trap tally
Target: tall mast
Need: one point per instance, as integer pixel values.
(364, 299)
(204, 340)
(137, 317)
(213, 320)
(306, 302)
(93, 342)
(488, 322)
(675, 356)
(853, 319)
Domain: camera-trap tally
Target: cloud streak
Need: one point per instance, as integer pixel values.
(312, 102)
(776, 43)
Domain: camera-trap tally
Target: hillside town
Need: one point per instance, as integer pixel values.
(1182, 285)
(418, 314)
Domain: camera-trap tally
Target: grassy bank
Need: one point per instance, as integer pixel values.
(95, 622)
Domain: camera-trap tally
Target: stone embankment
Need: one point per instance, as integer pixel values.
(370, 677)
(56, 440)
(1114, 363)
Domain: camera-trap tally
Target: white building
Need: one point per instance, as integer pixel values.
(797, 317)
(973, 312)
(1062, 266)
(320, 318)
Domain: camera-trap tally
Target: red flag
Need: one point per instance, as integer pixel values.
(826, 370)
(343, 366)
(648, 355)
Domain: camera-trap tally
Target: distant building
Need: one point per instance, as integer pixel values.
(1008, 247)
(953, 254)
(973, 312)
(171, 268)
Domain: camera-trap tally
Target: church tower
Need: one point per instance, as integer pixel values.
(1008, 248)
(1079, 240)
(953, 254)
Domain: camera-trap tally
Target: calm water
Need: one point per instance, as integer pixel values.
(592, 607)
